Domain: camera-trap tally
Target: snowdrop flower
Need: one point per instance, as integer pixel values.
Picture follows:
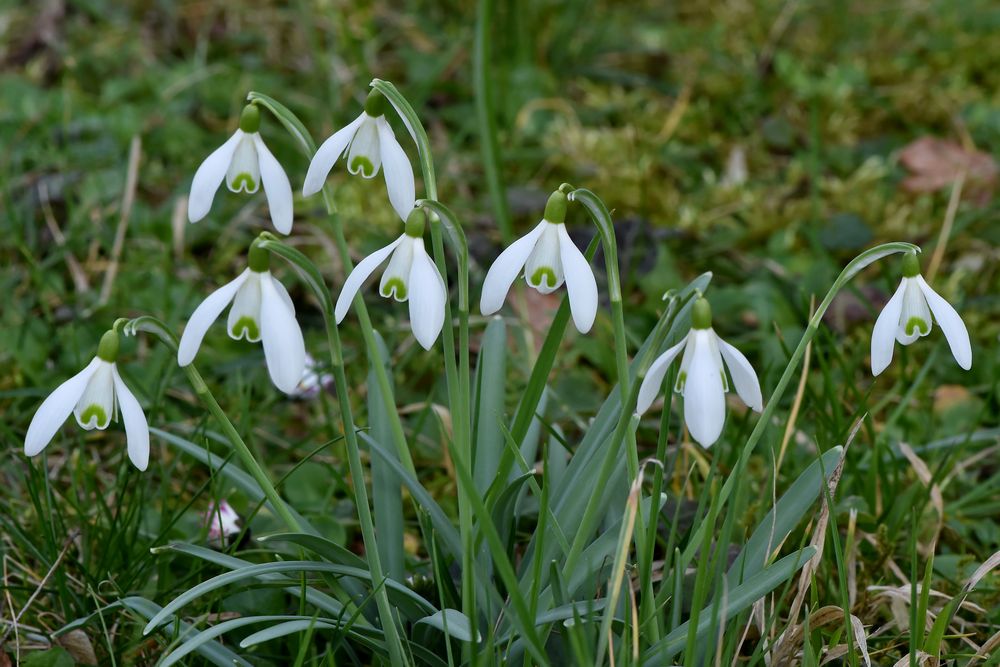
(262, 311)
(702, 380)
(907, 317)
(549, 258)
(94, 396)
(244, 162)
(370, 143)
(222, 522)
(410, 275)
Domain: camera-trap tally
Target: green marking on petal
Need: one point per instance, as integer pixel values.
(362, 164)
(247, 325)
(916, 324)
(681, 379)
(394, 287)
(544, 276)
(92, 411)
(244, 181)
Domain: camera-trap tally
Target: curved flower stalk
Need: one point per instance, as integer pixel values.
(907, 317)
(95, 396)
(262, 311)
(244, 162)
(549, 258)
(370, 145)
(702, 379)
(410, 276)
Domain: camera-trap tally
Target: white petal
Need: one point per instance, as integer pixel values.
(364, 156)
(744, 377)
(951, 324)
(915, 320)
(284, 348)
(505, 269)
(136, 428)
(243, 174)
(402, 117)
(427, 298)
(358, 276)
(704, 398)
(327, 154)
(395, 281)
(276, 187)
(544, 268)
(650, 387)
(884, 333)
(56, 408)
(209, 177)
(285, 296)
(244, 316)
(397, 170)
(99, 395)
(580, 282)
(203, 316)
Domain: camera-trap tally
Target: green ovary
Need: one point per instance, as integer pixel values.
(396, 288)
(95, 411)
(362, 164)
(916, 324)
(244, 181)
(544, 273)
(248, 325)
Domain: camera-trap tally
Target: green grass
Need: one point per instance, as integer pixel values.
(640, 103)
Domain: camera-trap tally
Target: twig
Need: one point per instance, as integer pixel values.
(80, 281)
(128, 199)
(949, 221)
(69, 542)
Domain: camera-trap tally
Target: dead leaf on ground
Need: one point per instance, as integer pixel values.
(936, 163)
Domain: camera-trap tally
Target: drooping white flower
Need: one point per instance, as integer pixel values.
(908, 316)
(262, 311)
(244, 162)
(95, 396)
(549, 258)
(370, 144)
(702, 379)
(222, 522)
(410, 276)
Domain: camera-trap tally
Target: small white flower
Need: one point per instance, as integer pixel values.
(244, 162)
(549, 258)
(313, 381)
(94, 396)
(370, 144)
(222, 522)
(410, 276)
(262, 311)
(702, 379)
(907, 317)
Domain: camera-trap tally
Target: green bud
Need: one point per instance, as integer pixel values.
(375, 104)
(258, 259)
(250, 119)
(555, 208)
(415, 223)
(911, 265)
(701, 314)
(107, 350)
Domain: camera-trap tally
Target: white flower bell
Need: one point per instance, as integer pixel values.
(222, 522)
(410, 276)
(702, 379)
(262, 311)
(908, 316)
(244, 162)
(95, 395)
(370, 144)
(549, 257)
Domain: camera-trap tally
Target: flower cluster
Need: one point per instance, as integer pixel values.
(261, 310)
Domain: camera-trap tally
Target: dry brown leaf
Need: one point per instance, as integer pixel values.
(77, 644)
(935, 163)
(948, 396)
